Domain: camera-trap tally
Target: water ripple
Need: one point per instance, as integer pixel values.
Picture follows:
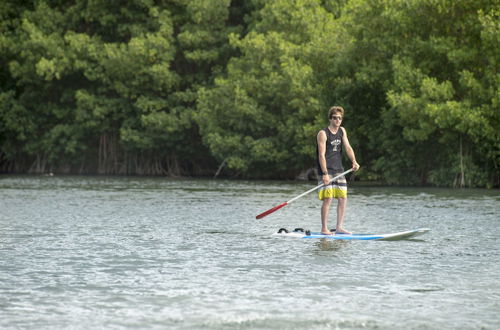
(110, 252)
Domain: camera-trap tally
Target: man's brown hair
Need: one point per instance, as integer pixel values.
(335, 109)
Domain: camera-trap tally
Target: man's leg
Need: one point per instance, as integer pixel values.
(325, 211)
(341, 206)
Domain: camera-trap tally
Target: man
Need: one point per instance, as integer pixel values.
(331, 141)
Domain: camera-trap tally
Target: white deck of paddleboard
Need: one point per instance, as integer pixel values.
(380, 237)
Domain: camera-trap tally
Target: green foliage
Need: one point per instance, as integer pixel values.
(451, 90)
(179, 87)
(259, 116)
(90, 70)
(421, 76)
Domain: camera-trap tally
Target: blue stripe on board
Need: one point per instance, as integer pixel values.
(346, 237)
(356, 234)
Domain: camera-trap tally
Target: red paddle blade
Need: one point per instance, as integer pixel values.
(276, 208)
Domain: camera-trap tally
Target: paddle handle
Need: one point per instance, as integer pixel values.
(277, 207)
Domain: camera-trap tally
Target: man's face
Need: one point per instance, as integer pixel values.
(336, 119)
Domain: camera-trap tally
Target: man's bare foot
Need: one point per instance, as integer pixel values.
(342, 231)
(326, 232)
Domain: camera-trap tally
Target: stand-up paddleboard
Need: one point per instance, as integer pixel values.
(301, 233)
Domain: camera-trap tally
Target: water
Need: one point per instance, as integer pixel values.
(106, 252)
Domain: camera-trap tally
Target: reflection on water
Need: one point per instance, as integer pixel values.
(324, 244)
(111, 252)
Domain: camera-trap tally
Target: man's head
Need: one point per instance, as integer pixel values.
(336, 113)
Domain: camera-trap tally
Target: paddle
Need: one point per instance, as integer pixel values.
(277, 207)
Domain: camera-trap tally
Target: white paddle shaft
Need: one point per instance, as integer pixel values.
(319, 186)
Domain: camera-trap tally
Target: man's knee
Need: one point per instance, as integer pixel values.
(327, 201)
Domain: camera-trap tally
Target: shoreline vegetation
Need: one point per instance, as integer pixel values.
(352, 182)
(239, 89)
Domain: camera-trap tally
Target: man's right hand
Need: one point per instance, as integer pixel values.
(326, 179)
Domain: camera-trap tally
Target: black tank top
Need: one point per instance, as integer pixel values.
(333, 153)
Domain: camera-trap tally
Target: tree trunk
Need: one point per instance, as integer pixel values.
(220, 168)
(462, 170)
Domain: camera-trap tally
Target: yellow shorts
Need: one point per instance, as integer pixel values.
(336, 189)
